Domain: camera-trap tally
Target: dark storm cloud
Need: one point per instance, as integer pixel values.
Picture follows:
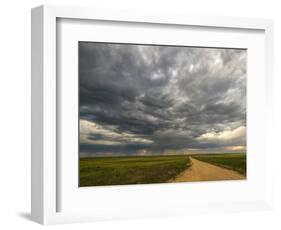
(162, 98)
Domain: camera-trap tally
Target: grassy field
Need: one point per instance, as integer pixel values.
(233, 161)
(130, 170)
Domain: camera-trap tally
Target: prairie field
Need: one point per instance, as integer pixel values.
(130, 170)
(124, 170)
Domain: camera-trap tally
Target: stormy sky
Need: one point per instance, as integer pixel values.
(143, 99)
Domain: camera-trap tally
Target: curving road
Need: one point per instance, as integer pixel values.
(202, 171)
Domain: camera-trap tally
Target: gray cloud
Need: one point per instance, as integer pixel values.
(171, 97)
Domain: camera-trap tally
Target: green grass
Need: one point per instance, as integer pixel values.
(233, 161)
(130, 170)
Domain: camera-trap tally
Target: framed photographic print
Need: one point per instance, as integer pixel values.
(144, 114)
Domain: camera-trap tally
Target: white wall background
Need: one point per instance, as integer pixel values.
(15, 112)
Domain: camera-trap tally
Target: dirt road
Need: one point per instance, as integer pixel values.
(202, 171)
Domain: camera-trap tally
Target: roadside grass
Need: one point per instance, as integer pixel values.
(124, 170)
(233, 161)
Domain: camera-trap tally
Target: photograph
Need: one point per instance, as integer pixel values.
(161, 113)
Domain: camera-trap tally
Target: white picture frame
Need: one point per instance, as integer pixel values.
(45, 162)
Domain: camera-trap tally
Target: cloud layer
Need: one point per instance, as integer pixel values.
(138, 99)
